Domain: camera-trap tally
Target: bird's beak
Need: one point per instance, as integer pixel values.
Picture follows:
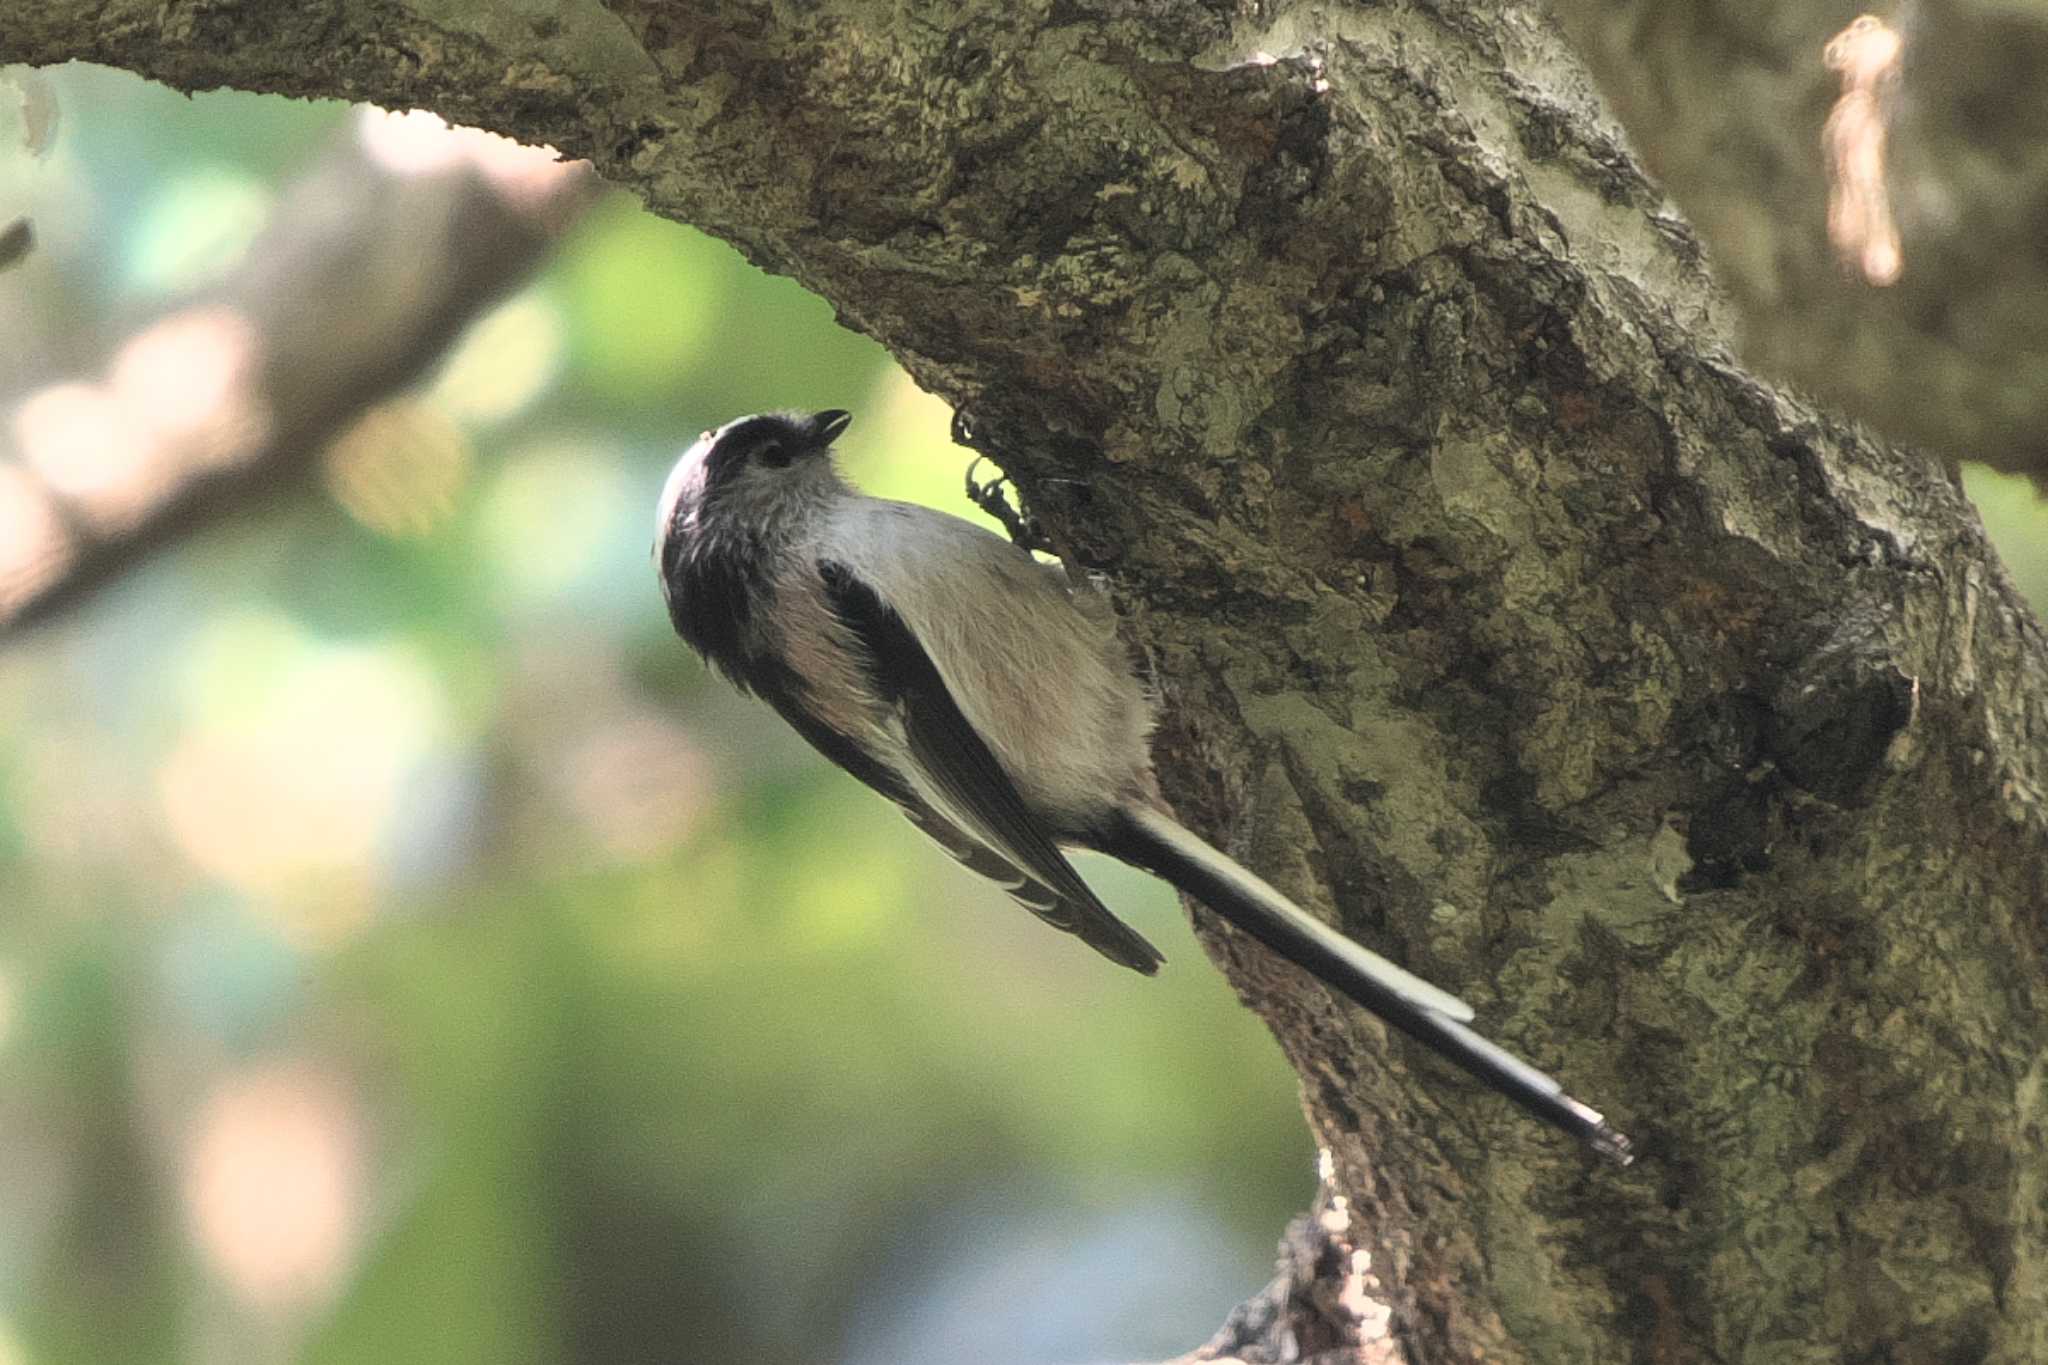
(826, 425)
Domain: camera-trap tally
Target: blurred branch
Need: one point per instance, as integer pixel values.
(375, 259)
(1321, 1307)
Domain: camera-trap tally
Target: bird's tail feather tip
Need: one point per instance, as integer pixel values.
(1613, 1145)
(1602, 1136)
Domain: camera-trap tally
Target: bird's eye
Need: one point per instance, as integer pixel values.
(773, 454)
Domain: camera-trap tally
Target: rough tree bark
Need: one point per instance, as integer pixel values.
(1691, 735)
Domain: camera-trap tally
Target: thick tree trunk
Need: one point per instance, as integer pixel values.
(1691, 736)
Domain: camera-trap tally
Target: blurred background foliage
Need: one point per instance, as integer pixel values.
(409, 954)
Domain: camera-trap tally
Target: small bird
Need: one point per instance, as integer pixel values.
(994, 703)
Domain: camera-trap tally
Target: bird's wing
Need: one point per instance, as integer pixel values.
(985, 823)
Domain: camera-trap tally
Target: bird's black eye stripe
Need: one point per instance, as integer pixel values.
(769, 440)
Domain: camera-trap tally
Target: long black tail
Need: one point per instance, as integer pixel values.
(1433, 1017)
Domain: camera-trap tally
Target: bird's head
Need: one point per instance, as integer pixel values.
(753, 471)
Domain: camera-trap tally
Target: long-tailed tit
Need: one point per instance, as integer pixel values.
(993, 703)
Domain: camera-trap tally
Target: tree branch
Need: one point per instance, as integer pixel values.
(1755, 126)
(376, 258)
